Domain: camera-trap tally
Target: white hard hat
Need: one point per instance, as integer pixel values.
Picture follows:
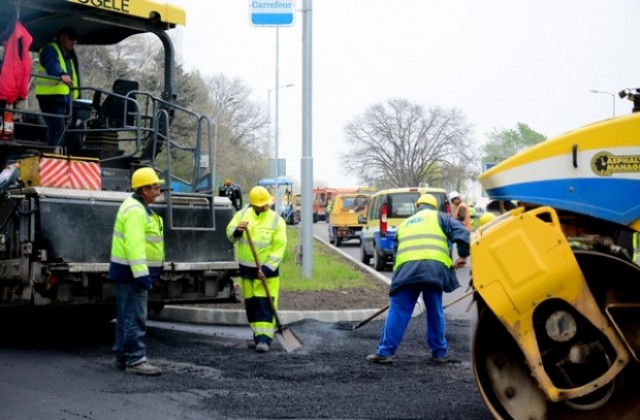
(454, 194)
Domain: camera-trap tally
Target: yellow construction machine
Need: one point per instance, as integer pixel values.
(556, 284)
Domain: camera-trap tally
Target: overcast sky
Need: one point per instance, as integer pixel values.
(498, 61)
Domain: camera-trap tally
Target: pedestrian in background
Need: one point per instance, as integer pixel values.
(461, 211)
(59, 61)
(422, 265)
(137, 255)
(232, 192)
(269, 234)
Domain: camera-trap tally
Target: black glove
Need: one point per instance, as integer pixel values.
(143, 282)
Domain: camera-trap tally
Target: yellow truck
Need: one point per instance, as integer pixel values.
(343, 218)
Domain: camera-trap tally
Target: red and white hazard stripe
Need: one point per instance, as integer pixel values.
(54, 173)
(84, 175)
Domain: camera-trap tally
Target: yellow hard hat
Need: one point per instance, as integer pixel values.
(486, 218)
(143, 177)
(427, 199)
(259, 196)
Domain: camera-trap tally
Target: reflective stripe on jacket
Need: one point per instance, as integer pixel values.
(48, 86)
(137, 239)
(268, 233)
(420, 237)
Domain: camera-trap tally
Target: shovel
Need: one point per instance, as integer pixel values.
(342, 326)
(382, 310)
(285, 336)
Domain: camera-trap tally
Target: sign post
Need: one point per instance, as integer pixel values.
(273, 13)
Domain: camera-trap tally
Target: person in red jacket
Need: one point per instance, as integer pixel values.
(15, 68)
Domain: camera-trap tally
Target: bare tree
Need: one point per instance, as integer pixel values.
(399, 144)
(241, 150)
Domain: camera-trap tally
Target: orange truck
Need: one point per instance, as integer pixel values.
(321, 199)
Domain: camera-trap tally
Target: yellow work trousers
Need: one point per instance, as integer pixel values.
(259, 312)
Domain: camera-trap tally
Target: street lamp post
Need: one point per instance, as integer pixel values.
(214, 147)
(613, 98)
(276, 141)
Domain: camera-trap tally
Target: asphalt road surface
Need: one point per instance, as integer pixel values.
(53, 371)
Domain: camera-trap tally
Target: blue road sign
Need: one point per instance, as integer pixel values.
(272, 12)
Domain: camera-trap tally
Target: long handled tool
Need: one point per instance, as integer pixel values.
(285, 336)
(366, 320)
(382, 310)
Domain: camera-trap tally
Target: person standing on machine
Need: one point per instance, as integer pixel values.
(58, 60)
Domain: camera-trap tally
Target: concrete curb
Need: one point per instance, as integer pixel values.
(189, 314)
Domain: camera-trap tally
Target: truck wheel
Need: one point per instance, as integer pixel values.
(332, 235)
(364, 258)
(338, 241)
(380, 263)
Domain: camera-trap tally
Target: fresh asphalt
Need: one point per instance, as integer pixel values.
(193, 315)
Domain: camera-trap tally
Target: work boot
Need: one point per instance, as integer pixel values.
(144, 368)
(439, 360)
(376, 358)
(262, 347)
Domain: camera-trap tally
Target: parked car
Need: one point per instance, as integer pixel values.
(387, 209)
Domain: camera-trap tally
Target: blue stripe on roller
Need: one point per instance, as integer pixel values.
(610, 199)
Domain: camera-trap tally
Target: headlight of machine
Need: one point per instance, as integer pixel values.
(561, 326)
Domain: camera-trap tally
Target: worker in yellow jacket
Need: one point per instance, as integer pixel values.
(269, 235)
(137, 257)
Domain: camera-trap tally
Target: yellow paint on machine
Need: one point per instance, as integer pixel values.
(607, 134)
(521, 259)
(145, 9)
(524, 260)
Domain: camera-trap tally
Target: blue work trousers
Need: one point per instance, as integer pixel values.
(56, 126)
(131, 322)
(403, 301)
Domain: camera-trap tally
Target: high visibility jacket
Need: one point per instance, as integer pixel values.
(420, 237)
(137, 247)
(16, 68)
(269, 235)
(47, 86)
(467, 216)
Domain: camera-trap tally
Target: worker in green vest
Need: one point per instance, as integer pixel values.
(59, 62)
(423, 266)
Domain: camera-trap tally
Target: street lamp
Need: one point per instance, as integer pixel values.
(613, 98)
(214, 147)
(277, 152)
